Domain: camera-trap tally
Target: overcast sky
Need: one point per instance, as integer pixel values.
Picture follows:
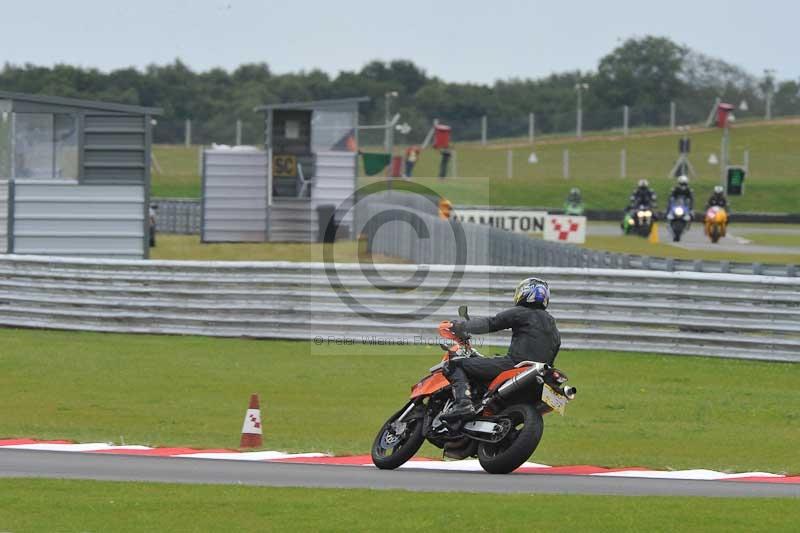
(457, 40)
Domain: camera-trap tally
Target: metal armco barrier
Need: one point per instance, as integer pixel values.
(722, 315)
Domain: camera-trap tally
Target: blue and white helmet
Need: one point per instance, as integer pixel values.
(532, 292)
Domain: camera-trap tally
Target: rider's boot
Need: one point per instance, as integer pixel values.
(462, 408)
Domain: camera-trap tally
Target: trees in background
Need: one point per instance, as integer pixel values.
(644, 73)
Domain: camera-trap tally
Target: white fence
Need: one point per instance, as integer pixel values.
(234, 196)
(70, 219)
(723, 315)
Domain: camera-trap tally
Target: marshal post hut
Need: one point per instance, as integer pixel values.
(290, 189)
(74, 177)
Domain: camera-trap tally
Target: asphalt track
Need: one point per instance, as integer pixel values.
(695, 239)
(67, 465)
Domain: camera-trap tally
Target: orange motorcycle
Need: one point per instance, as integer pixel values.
(506, 429)
(716, 223)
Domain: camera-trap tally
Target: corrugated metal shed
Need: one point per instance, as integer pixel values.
(334, 183)
(234, 196)
(57, 218)
(346, 103)
(65, 146)
(326, 152)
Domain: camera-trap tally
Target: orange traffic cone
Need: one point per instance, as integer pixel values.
(251, 429)
(653, 237)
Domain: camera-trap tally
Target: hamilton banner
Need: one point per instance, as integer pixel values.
(518, 221)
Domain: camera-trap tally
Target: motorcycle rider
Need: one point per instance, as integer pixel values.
(574, 196)
(574, 203)
(718, 198)
(642, 195)
(682, 191)
(534, 337)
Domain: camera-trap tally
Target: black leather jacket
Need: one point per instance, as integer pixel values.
(685, 193)
(642, 196)
(718, 200)
(534, 335)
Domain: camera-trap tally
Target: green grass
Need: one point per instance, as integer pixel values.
(636, 245)
(594, 167)
(61, 505)
(632, 409)
(773, 239)
(180, 172)
(189, 247)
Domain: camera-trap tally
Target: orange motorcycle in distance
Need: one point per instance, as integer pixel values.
(716, 223)
(506, 429)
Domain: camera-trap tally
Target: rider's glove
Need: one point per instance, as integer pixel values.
(459, 329)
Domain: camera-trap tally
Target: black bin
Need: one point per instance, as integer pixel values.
(326, 217)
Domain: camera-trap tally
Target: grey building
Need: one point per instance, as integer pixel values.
(275, 194)
(74, 176)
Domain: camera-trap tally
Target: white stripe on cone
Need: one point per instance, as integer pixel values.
(252, 422)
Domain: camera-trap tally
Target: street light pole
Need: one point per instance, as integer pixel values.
(387, 118)
(580, 87)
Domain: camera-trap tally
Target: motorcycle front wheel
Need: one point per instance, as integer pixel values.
(390, 449)
(715, 234)
(520, 443)
(678, 226)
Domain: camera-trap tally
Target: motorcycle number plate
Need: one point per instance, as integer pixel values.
(556, 401)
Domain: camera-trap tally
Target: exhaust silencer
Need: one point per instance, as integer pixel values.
(521, 380)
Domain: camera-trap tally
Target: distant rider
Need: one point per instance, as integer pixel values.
(718, 198)
(574, 203)
(682, 191)
(534, 337)
(642, 195)
(574, 196)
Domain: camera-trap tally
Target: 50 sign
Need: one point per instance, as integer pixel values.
(284, 165)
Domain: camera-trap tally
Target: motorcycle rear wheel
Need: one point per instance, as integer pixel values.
(390, 450)
(520, 443)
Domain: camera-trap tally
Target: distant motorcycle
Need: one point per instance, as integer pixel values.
(716, 223)
(679, 218)
(573, 208)
(638, 221)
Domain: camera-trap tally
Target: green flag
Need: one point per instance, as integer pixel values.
(375, 163)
